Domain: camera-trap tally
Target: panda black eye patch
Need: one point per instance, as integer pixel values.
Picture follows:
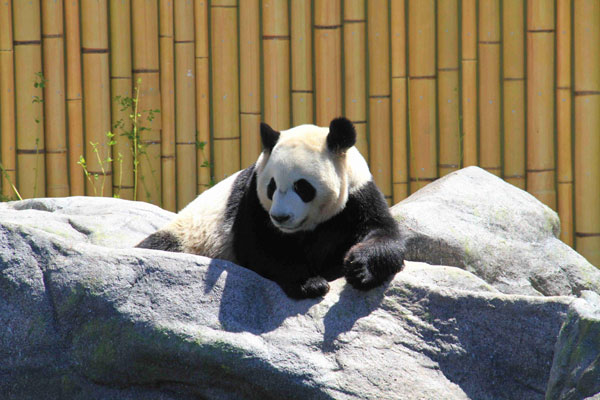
(271, 189)
(305, 190)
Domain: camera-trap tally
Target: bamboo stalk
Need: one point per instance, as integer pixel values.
(203, 153)
(250, 110)
(355, 84)
(398, 38)
(31, 170)
(225, 89)
(469, 83)
(587, 124)
(448, 81)
(514, 92)
(328, 61)
(399, 104)
(74, 98)
(380, 153)
(563, 120)
(379, 96)
(362, 144)
(302, 108)
(167, 106)
(422, 133)
(399, 145)
(540, 101)
(146, 77)
(489, 86)
(185, 100)
(7, 100)
(301, 43)
(120, 85)
(565, 207)
(96, 89)
(422, 99)
(204, 148)
(276, 62)
(57, 183)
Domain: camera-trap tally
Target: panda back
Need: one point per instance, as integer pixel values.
(203, 226)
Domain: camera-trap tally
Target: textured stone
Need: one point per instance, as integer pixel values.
(474, 220)
(104, 221)
(576, 369)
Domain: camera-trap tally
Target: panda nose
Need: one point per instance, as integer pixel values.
(280, 218)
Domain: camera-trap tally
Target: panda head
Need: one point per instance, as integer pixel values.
(305, 174)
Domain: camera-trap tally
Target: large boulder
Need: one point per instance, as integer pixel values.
(474, 220)
(84, 315)
(102, 221)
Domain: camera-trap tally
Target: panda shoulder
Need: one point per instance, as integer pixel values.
(359, 174)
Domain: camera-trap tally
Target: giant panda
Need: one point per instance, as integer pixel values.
(307, 212)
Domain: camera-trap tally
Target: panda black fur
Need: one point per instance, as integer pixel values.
(305, 213)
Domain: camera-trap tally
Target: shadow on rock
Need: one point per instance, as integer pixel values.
(250, 303)
(351, 306)
(491, 348)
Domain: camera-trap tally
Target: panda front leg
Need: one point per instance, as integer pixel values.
(315, 286)
(373, 260)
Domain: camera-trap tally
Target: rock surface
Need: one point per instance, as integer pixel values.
(83, 315)
(102, 221)
(474, 220)
(576, 369)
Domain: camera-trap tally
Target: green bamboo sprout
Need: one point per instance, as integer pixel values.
(7, 177)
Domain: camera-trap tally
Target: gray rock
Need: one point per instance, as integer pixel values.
(79, 320)
(575, 371)
(474, 220)
(104, 221)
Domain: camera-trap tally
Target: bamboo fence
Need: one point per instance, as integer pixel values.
(431, 86)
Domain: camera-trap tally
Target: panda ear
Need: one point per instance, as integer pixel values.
(342, 135)
(269, 136)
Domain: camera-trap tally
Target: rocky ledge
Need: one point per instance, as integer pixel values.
(84, 315)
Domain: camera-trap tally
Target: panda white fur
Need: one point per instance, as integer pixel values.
(305, 213)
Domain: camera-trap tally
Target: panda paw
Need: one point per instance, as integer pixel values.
(315, 286)
(357, 271)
